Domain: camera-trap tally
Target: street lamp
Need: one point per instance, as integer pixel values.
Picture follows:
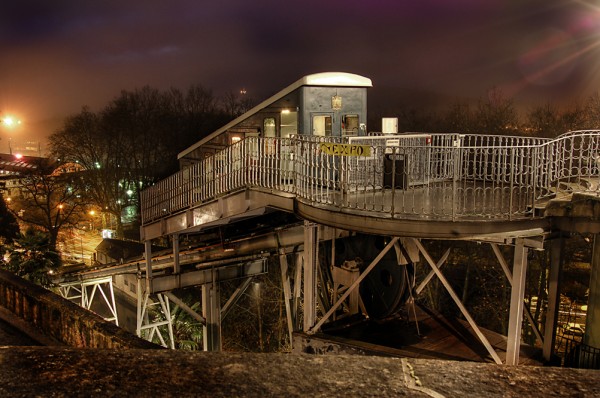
(92, 213)
(10, 122)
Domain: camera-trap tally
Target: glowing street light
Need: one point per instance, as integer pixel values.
(10, 121)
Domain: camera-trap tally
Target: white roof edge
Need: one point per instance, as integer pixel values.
(336, 79)
(340, 79)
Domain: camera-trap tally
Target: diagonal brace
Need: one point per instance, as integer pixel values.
(354, 285)
(460, 305)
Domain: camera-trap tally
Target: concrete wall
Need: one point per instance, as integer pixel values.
(60, 319)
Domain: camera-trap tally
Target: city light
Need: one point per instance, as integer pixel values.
(10, 121)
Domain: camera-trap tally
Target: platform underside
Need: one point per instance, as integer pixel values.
(432, 336)
(252, 202)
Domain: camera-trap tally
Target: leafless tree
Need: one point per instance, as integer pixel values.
(49, 198)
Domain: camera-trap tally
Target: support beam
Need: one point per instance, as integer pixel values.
(235, 296)
(299, 260)
(211, 309)
(354, 285)
(592, 324)
(163, 283)
(429, 276)
(311, 241)
(458, 303)
(141, 297)
(509, 277)
(185, 307)
(166, 311)
(83, 297)
(287, 291)
(148, 254)
(176, 265)
(556, 262)
(148, 327)
(517, 294)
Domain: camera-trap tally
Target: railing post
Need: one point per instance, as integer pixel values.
(457, 164)
(512, 182)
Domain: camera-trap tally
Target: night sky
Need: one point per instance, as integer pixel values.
(60, 55)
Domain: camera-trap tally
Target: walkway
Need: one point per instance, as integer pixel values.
(447, 186)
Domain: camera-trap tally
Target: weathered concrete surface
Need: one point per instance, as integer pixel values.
(70, 372)
(11, 336)
(579, 213)
(60, 320)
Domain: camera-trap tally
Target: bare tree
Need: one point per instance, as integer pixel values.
(9, 227)
(83, 141)
(49, 198)
(592, 112)
(132, 143)
(544, 121)
(496, 114)
(458, 118)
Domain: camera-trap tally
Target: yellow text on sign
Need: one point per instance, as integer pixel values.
(345, 149)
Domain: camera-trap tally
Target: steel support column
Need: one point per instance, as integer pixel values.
(556, 261)
(517, 294)
(311, 241)
(592, 324)
(299, 262)
(148, 256)
(509, 277)
(211, 309)
(153, 327)
(176, 265)
(78, 292)
(287, 291)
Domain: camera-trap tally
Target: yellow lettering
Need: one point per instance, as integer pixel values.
(345, 149)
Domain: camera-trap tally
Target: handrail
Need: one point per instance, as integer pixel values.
(424, 176)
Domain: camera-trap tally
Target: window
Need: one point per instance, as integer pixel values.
(350, 125)
(289, 123)
(321, 125)
(269, 128)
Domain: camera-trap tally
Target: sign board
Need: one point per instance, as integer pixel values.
(389, 125)
(345, 149)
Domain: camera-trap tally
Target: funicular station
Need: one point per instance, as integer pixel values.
(345, 212)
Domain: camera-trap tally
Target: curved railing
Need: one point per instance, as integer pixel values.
(414, 176)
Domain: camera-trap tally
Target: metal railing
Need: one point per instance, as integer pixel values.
(579, 355)
(425, 176)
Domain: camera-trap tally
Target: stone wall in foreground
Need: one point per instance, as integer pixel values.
(61, 320)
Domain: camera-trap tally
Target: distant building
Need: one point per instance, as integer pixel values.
(29, 148)
(12, 167)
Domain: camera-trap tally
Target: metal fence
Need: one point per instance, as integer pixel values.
(579, 355)
(428, 176)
